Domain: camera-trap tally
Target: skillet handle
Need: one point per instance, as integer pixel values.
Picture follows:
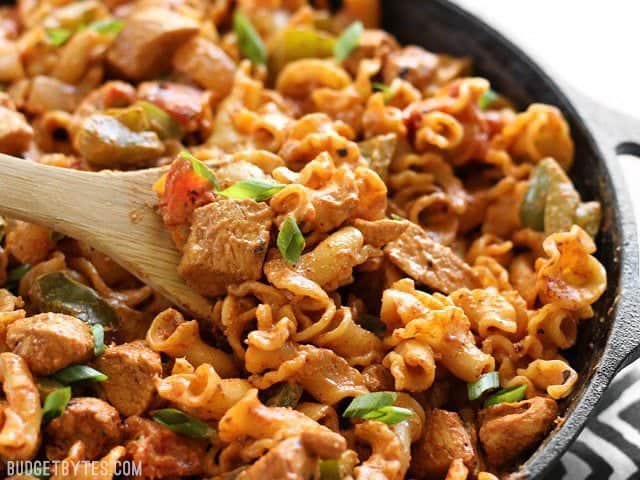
(617, 133)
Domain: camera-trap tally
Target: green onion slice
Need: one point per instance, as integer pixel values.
(363, 404)
(201, 169)
(380, 87)
(348, 41)
(98, 339)
(290, 240)
(107, 26)
(487, 99)
(509, 395)
(55, 403)
(182, 423)
(330, 469)
(389, 414)
(58, 36)
(385, 89)
(249, 41)
(377, 406)
(486, 382)
(79, 373)
(258, 190)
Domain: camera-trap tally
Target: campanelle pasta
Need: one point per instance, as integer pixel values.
(396, 257)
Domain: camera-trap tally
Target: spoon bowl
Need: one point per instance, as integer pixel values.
(113, 212)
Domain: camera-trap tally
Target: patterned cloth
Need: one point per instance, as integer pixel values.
(609, 447)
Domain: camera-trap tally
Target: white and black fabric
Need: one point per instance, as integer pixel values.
(609, 448)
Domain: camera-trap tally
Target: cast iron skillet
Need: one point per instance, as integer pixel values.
(612, 339)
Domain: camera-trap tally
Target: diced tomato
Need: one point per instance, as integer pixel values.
(184, 191)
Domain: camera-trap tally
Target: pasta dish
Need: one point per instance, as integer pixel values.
(396, 255)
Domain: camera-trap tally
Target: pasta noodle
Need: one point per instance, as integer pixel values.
(20, 430)
(201, 391)
(171, 334)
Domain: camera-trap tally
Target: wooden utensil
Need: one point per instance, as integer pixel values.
(111, 211)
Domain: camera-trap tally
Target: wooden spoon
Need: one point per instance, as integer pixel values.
(111, 211)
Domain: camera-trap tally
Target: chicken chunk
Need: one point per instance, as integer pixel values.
(15, 132)
(49, 342)
(413, 64)
(90, 420)
(160, 452)
(296, 458)
(207, 64)
(508, 430)
(289, 459)
(444, 439)
(28, 242)
(430, 263)
(144, 48)
(132, 369)
(227, 244)
(380, 232)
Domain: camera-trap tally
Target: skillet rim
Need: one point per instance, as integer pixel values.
(623, 340)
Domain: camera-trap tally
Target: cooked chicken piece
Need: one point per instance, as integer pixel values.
(508, 430)
(289, 460)
(227, 244)
(324, 444)
(90, 420)
(335, 203)
(413, 64)
(160, 452)
(144, 48)
(444, 439)
(207, 64)
(296, 458)
(186, 105)
(49, 342)
(132, 369)
(430, 263)
(28, 242)
(15, 132)
(380, 232)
